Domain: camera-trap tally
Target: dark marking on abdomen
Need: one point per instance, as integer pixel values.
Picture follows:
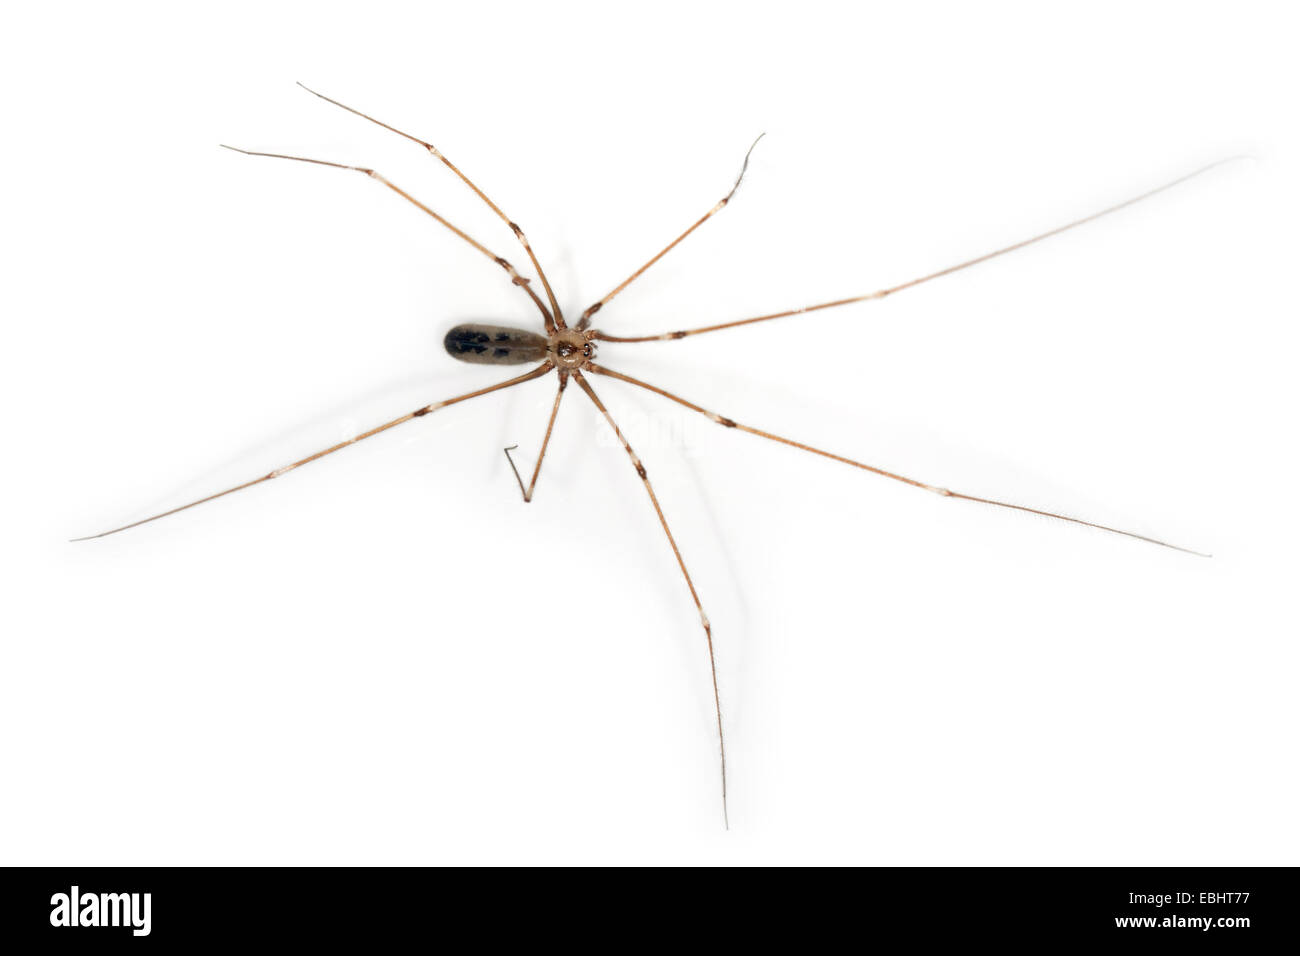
(494, 345)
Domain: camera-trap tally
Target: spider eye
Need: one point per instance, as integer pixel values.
(587, 351)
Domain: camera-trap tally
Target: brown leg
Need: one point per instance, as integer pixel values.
(947, 493)
(519, 233)
(585, 321)
(418, 413)
(704, 618)
(546, 440)
(515, 277)
(880, 294)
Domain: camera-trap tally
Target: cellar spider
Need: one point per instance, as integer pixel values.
(570, 352)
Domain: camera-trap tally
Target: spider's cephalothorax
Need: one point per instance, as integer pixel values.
(570, 349)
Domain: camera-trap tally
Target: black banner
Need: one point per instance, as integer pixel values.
(96, 908)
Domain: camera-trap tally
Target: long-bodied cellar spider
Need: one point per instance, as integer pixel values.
(569, 351)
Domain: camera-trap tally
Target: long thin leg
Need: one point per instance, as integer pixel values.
(515, 277)
(947, 493)
(546, 440)
(880, 294)
(418, 413)
(585, 321)
(519, 233)
(704, 618)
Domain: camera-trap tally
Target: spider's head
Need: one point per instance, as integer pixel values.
(570, 349)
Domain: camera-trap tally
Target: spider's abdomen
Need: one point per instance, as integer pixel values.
(494, 345)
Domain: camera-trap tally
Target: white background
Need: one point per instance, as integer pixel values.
(387, 657)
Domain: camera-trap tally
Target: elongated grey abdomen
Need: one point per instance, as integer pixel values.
(494, 345)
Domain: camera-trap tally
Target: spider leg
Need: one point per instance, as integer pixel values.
(585, 321)
(945, 492)
(704, 618)
(515, 277)
(546, 440)
(881, 293)
(519, 233)
(418, 413)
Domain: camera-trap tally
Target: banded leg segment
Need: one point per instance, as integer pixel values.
(585, 321)
(418, 413)
(510, 270)
(704, 618)
(433, 151)
(882, 293)
(945, 492)
(546, 440)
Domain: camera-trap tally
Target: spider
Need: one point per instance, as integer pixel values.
(570, 352)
